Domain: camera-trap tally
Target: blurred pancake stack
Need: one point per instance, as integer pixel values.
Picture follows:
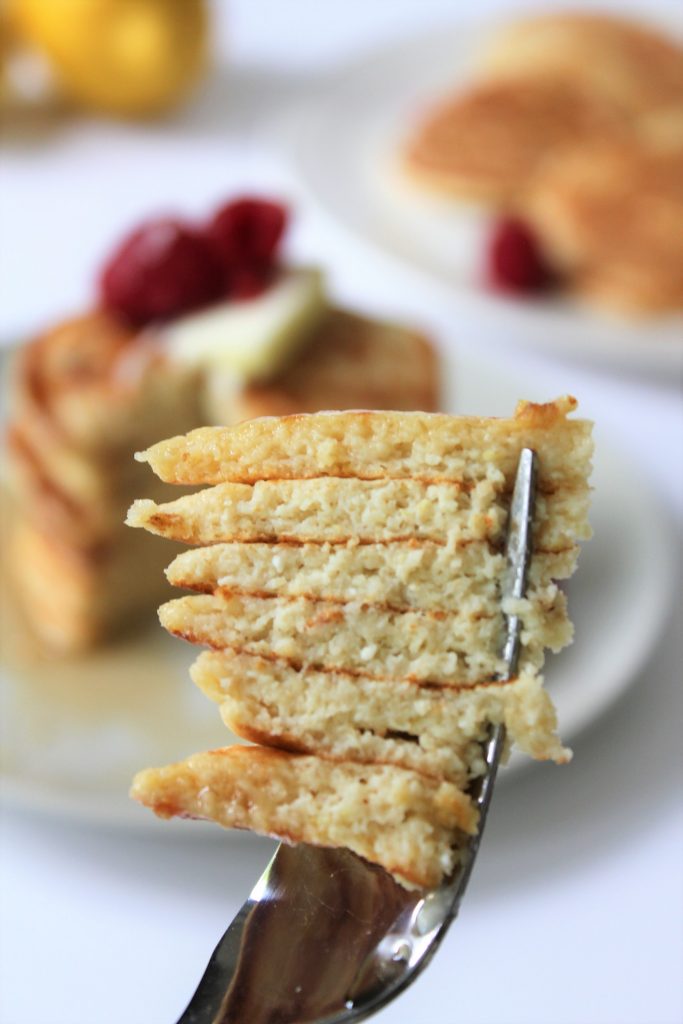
(86, 395)
(349, 570)
(574, 128)
(172, 347)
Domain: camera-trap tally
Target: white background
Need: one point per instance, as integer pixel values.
(575, 911)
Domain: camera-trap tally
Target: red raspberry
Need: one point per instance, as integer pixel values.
(245, 234)
(248, 283)
(515, 262)
(162, 269)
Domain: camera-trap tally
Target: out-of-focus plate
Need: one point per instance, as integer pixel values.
(344, 143)
(75, 731)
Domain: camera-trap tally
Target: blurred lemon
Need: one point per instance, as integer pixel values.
(7, 43)
(128, 57)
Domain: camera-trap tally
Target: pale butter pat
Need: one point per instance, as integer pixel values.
(252, 338)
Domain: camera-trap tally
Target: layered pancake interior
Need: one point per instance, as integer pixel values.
(347, 581)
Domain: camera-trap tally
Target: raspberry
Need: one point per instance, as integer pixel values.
(247, 283)
(515, 262)
(162, 269)
(245, 235)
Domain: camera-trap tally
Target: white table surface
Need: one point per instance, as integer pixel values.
(574, 914)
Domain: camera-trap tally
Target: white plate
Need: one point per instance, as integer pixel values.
(344, 144)
(76, 731)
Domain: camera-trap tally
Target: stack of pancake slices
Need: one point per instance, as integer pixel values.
(85, 395)
(91, 390)
(348, 586)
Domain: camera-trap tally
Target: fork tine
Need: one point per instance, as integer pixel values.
(518, 550)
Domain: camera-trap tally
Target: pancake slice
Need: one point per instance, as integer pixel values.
(392, 816)
(447, 649)
(344, 717)
(380, 445)
(450, 649)
(333, 510)
(405, 575)
(327, 509)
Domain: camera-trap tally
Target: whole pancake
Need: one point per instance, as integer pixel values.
(627, 63)
(486, 143)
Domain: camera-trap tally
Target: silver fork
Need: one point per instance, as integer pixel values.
(325, 937)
